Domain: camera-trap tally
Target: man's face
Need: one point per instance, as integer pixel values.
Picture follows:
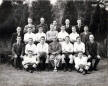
(54, 39)
(18, 39)
(67, 39)
(62, 28)
(79, 22)
(85, 28)
(42, 20)
(54, 23)
(51, 27)
(40, 29)
(67, 21)
(73, 29)
(78, 40)
(91, 38)
(30, 53)
(80, 55)
(29, 30)
(18, 29)
(29, 21)
(42, 40)
(30, 41)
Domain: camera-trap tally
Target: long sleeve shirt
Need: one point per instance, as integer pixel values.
(42, 48)
(39, 35)
(79, 47)
(29, 35)
(31, 47)
(67, 47)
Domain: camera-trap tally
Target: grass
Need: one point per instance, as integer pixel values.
(9, 76)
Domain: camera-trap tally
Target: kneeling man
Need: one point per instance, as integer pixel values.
(81, 63)
(30, 61)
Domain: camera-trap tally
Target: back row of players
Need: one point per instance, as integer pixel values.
(72, 46)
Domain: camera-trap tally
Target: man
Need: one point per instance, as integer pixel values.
(67, 57)
(81, 64)
(39, 35)
(29, 25)
(55, 51)
(42, 53)
(73, 35)
(14, 35)
(42, 23)
(51, 34)
(62, 34)
(31, 46)
(85, 35)
(92, 52)
(30, 62)
(18, 52)
(56, 28)
(68, 26)
(79, 46)
(79, 26)
(28, 35)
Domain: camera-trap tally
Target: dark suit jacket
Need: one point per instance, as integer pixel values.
(69, 29)
(92, 49)
(79, 30)
(18, 49)
(14, 37)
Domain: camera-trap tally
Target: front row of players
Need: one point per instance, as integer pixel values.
(65, 55)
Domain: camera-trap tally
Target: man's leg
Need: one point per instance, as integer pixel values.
(63, 62)
(96, 63)
(71, 65)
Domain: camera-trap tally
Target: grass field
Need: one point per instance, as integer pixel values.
(9, 76)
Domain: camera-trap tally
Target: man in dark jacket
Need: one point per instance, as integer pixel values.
(18, 52)
(92, 52)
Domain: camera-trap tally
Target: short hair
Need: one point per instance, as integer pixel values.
(30, 51)
(43, 37)
(67, 37)
(78, 37)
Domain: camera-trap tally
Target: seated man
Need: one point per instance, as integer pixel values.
(18, 52)
(51, 34)
(39, 35)
(85, 35)
(92, 52)
(73, 35)
(55, 51)
(30, 62)
(67, 51)
(31, 46)
(14, 36)
(79, 46)
(29, 25)
(62, 34)
(42, 53)
(28, 35)
(81, 63)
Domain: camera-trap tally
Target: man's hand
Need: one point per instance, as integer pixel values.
(15, 56)
(89, 56)
(98, 56)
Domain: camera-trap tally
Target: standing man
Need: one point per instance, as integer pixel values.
(79, 26)
(14, 35)
(85, 35)
(18, 52)
(42, 23)
(67, 57)
(55, 50)
(68, 26)
(42, 53)
(62, 34)
(51, 34)
(92, 52)
(29, 25)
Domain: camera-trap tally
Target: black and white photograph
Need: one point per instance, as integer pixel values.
(53, 42)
